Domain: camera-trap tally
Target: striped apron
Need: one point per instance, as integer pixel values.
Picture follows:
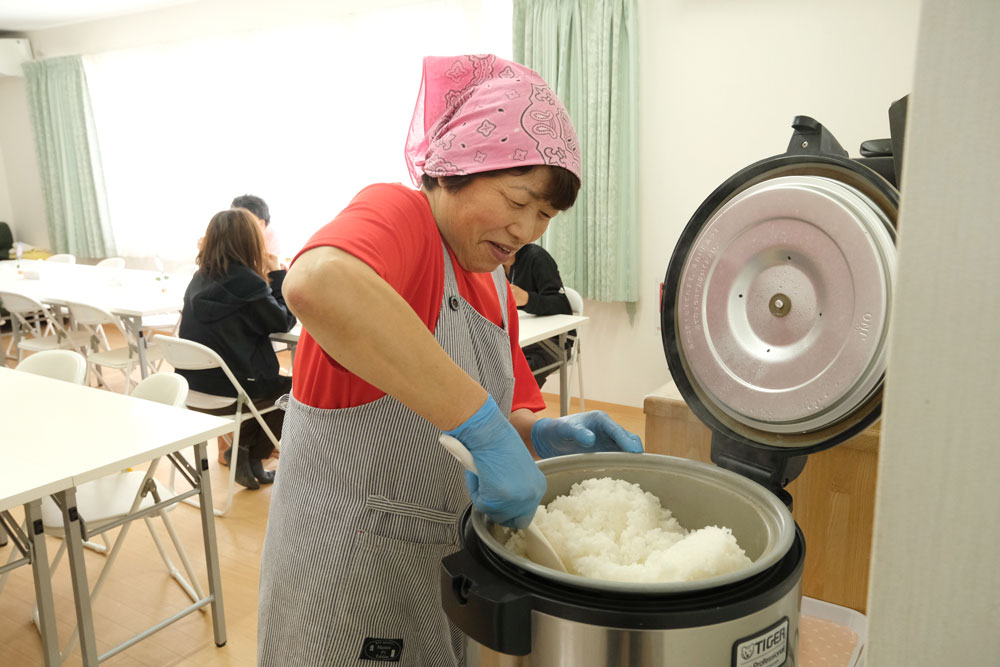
(363, 509)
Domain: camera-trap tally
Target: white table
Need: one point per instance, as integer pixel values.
(531, 329)
(63, 435)
(132, 294)
(539, 329)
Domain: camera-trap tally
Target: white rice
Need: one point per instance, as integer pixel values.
(611, 529)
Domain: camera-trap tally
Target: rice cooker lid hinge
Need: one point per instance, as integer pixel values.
(773, 469)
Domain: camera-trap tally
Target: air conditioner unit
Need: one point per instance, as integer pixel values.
(13, 52)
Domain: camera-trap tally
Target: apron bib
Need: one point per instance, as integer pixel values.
(365, 507)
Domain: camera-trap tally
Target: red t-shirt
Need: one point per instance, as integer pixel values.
(390, 228)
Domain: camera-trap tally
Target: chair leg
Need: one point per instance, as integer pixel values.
(14, 553)
(232, 481)
(233, 462)
(98, 376)
(129, 381)
(263, 425)
(238, 421)
(58, 557)
(185, 561)
(190, 585)
(192, 588)
(579, 372)
(99, 548)
(104, 337)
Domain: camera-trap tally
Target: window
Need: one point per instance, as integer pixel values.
(303, 117)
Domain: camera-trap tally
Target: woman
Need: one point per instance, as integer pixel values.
(233, 304)
(411, 331)
(538, 289)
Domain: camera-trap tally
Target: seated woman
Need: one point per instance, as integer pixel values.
(232, 305)
(538, 289)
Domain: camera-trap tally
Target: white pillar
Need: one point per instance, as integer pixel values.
(934, 597)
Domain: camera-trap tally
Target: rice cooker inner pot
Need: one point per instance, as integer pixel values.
(697, 494)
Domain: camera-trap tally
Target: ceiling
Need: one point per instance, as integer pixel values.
(28, 15)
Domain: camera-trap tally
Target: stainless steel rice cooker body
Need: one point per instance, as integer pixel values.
(519, 613)
(774, 312)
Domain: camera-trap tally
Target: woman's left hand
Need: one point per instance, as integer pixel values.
(520, 296)
(582, 433)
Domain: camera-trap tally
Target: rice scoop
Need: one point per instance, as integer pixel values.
(611, 529)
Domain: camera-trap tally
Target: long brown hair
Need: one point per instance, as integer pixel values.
(233, 237)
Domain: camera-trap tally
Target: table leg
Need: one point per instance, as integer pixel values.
(15, 339)
(211, 546)
(563, 377)
(43, 582)
(134, 325)
(78, 570)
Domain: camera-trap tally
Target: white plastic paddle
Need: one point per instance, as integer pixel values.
(539, 548)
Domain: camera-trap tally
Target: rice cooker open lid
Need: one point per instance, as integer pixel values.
(777, 301)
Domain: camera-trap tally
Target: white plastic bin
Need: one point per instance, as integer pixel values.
(831, 635)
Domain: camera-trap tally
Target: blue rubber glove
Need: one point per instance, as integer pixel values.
(509, 485)
(580, 434)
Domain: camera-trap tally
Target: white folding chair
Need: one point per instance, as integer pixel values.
(64, 258)
(125, 359)
(65, 365)
(112, 263)
(31, 316)
(192, 356)
(108, 499)
(576, 304)
(27, 321)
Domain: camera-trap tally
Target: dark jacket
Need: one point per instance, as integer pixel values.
(235, 316)
(536, 273)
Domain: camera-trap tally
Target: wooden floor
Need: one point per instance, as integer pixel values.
(140, 591)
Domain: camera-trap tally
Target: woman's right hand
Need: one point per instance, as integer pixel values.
(509, 484)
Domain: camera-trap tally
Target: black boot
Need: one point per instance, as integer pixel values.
(263, 476)
(244, 475)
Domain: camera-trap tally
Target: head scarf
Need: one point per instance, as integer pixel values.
(478, 113)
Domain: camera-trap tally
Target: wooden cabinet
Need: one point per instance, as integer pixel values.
(834, 497)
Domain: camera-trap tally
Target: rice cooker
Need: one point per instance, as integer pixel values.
(775, 309)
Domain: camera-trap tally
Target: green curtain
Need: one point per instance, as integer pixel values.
(587, 51)
(68, 157)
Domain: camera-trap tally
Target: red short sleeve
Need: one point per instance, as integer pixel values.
(391, 229)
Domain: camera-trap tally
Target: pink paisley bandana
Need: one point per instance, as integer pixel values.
(480, 113)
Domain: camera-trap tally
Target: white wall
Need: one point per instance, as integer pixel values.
(720, 82)
(21, 201)
(6, 211)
